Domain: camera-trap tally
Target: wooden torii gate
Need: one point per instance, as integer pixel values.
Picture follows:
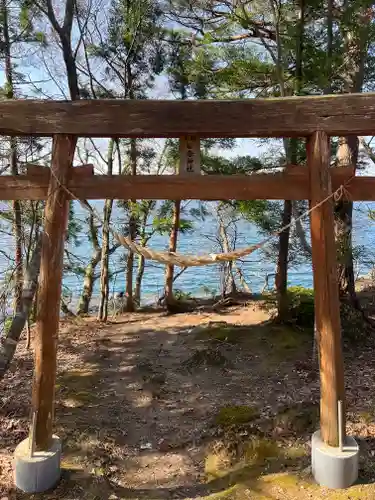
(315, 118)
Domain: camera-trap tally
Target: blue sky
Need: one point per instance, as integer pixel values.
(38, 63)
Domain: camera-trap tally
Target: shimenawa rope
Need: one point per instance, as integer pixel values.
(181, 260)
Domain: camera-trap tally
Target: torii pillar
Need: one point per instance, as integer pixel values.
(37, 459)
(334, 456)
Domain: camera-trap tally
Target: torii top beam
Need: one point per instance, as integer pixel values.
(280, 117)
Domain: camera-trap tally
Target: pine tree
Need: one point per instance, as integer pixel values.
(16, 30)
(133, 56)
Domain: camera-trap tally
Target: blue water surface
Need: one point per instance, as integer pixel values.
(204, 280)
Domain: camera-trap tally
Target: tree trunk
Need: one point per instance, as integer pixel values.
(355, 55)
(88, 279)
(17, 209)
(229, 283)
(347, 154)
(129, 302)
(138, 278)
(33, 236)
(169, 297)
(141, 263)
(88, 284)
(281, 278)
(104, 276)
(17, 232)
(33, 309)
(71, 70)
(8, 344)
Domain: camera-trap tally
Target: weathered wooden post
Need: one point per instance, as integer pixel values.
(331, 467)
(37, 464)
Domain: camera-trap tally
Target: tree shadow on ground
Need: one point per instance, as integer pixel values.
(120, 391)
(246, 476)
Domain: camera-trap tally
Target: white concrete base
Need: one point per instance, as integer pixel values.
(330, 466)
(40, 472)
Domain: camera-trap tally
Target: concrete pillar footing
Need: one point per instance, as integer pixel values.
(332, 467)
(40, 472)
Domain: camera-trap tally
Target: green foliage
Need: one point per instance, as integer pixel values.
(181, 295)
(133, 51)
(163, 222)
(7, 323)
(266, 215)
(212, 164)
(301, 305)
(164, 225)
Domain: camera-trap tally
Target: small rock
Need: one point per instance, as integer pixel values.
(146, 446)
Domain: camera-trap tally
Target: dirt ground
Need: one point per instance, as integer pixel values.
(198, 405)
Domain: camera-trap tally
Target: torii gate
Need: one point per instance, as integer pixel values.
(315, 118)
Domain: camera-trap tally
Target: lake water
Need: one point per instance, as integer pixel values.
(197, 281)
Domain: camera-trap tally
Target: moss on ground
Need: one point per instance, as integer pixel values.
(263, 469)
(248, 471)
(236, 415)
(286, 342)
(222, 332)
(285, 485)
(276, 340)
(236, 459)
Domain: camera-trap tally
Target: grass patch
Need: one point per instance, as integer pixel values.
(227, 494)
(278, 341)
(236, 459)
(236, 415)
(285, 342)
(217, 464)
(253, 469)
(257, 451)
(222, 332)
(285, 338)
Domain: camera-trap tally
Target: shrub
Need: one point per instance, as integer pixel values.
(301, 305)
